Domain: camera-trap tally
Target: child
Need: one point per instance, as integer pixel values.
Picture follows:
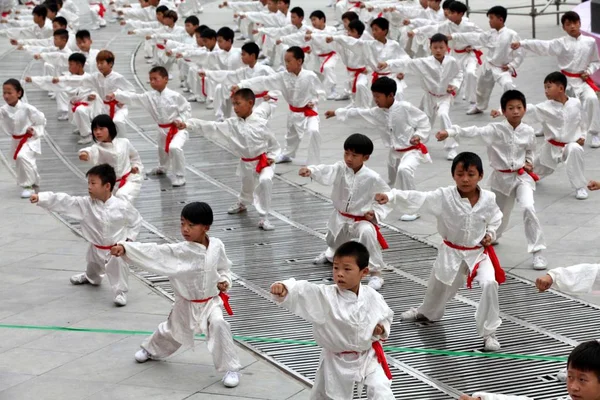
(118, 153)
(198, 270)
(501, 62)
(83, 39)
(167, 107)
(25, 124)
(356, 216)
(440, 76)
(403, 129)
(351, 351)
(105, 220)
(467, 219)
(510, 147)
(301, 89)
(41, 27)
(577, 58)
(250, 139)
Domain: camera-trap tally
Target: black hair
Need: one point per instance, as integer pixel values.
(162, 9)
(246, 94)
(357, 25)
(499, 12)
(297, 52)
(40, 10)
(556, 77)
(457, 6)
(446, 4)
(384, 85)
(105, 172)
(359, 144)
(298, 11)
(382, 23)
(251, 48)
(17, 85)
(104, 121)
(586, 357)
(171, 14)
(318, 14)
(198, 213)
(52, 7)
(200, 29)
(208, 34)
(226, 33)
(62, 33)
(570, 16)
(79, 58)
(437, 38)
(356, 250)
(162, 71)
(83, 34)
(512, 95)
(467, 159)
(350, 16)
(62, 21)
(192, 19)
(285, 1)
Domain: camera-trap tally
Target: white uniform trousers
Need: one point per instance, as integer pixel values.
(257, 188)
(435, 106)
(204, 90)
(402, 167)
(299, 125)
(82, 120)
(590, 104)
(488, 77)
(222, 101)
(131, 189)
(97, 20)
(572, 157)
(26, 165)
(174, 160)
(468, 88)
(184, 69)
(326, 70)
(363, 98)
(62, 102)
(363, 232)
(100, 262)
(487, 316)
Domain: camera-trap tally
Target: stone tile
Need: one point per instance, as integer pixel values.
(200, 355)
(211, 396)
(80, 343)
(11, 337)
(52, 261)
(8, 379)
(303, 395)
(176, 376)
(125, 392)
(46, 388)
(33, 361)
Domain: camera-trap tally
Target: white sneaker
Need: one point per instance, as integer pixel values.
(265, 225)
(474, 110)
(179, 181)
(321, 259)
(27, 192)
(595, 142)
(75, 132)
(121, 299)
(193, 98)
(412, 315)
(52, 95)
(210, 105)
(85, 140)
(375, 282)
(142, 356)
(409, 217)
(539, 133)
(562, 375)
(281, 159)
(237, 208)
(342, 97)
(332, 96)
(539, 261)
(185, 89)
(79, 279)
(490, 343)
(581, 194)
(63, 117)
(157, 171)
(451, 154)
(231, 379)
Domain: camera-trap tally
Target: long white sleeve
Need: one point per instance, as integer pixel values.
(161, 259)
(492, 396)
(306, 300)
(324, 174)
(70, 206)
(580, 278)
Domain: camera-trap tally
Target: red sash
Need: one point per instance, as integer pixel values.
(357, 72)
(170, 135)
(103, 247)
(306, 49)
(356, 4)
(419, 146)
(224, 297)
(453, 93)
(589, 80)
(521, 171)
(512, 71)
(327, 58)
(380, 354)
(76, 105)
(123, 180)
(22, 140)
(557, 143)
(263, 162)
(491, 253)
(101, 9)
(203, 78)
(478, 54)
(260, 95)
(6, 14)
(160, 46)
(112, 106)
(376, 75)
(30, 4)
(308, 112)
(380, 237)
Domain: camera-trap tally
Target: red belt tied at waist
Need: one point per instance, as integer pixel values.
(478, 54)
(358, 218)
(589, 79)
(453, 93)
(263, 161)
(123, 180)
(170, 135)
(22, 140)
(112, 106)
(77, 104)
(499, 273)
(101, 9)
(357, 72)
(327, 58)
(380, 354)
(557, 143)
(103, 247)
(224, 297)
(521, 171)
(376, 75)
(160, 46)
(307, 111)
(419, 146)
(305, 49)
(513, 72)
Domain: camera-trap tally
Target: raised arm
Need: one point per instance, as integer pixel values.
(483, 133)
(552, 47)
(580, 278)
(325, 174)
(162, 259)
(70, 206)
(411, 201)
(264, 83)
(306, 300)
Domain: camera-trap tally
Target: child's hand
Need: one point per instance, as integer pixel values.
(467, 397)
(406, 22)
(279, 289)
(305, 172)
(515, 45)
(270, 161)
(14, 42)
(584, 76)
(505, 67)
(20, 47)
(222, 286)
(37, 56)
(382, 65)
(329, 114)
(130, 32)
(544, 283)
(55, 80)
(528, 167)
(278, 42)
(310, 104)
(148, 37)
(180, 125)
(34, 198)
(379, 330)
(400, 76)
(451, 89)
(202, 74)
(135, 170)
(449, 37)
(580, 141)
(486, 241)
(328, 39)
(110, 97)
(117, 250)
(382, 198)
(307, 37)
(28, 79)
(30, 131)
(234, 89)
(169, 53)
(412, 34)
(441, 136)
(495, 113)
(84, 156)
(92, 97)
(594, 185)
(123, 23)
(370, 216)
(415, 140)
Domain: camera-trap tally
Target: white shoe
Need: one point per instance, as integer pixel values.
(231, 379)
(265, 225)
(75, 132)
(178, 181)
(595, 142)
(79, 279)
(185, 89)
(539, 133)
(121, 299)
(157, 171)
(409, 217)
(474, 110)
(451, 154)
(562, 375)
(27, 192)
(281, 159)
(343, 97)
(142, 356)
(85, 140)
(210, 105)
(490, 343)
(581, 194)
(332, 96)
(539, 261)
(375, 282)
(237, 208)
(193, 98)
(242, 37)
(62, 117)
(412, 315)
(321, 259)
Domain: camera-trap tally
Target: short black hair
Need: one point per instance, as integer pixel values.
(83, 34)
(192, 19)
(104, 121)
(200, 29)
(284, 1)
(171, 14)
(586, 357)
(208, 34)
(246, 94)
(457, 6)
(556, 77)
(356, 250)
(356, 25)
(382, 23)
(297, 52)
(359, 144)
(226, 33)
(446, 4)
(162, 71)
(570, 16)
(62, 33)
(105, 172)
(52, 7)
(162, 9)
(78, 58)
(350, 16)
(251, 48)
(318, 14)
(62, 21)
(499, 12)
(437, 38)
(198, 213)
(17, 85)
(512, 95)
(40, 10)
(298, 11)
(384, 85)
(467, 159)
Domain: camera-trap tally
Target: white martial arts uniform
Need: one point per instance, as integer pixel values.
(492, 396)
(498, 53)
(194, 272)
(396, 126)
(298, 91)
(509, 149)
(461, 224)
(353, 193)
(270, 20)
(217, 59)
(324, 59)
(102, 224)
(289, 35)
(98, 10)
(343, 325)
(562, 123)
(33, 31)
(574, 55)
(248, 139)
(122, 156)
(435, 78)
(165, 108)
(15, 122)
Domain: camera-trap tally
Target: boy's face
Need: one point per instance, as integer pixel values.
(353, 33)
(572, 28)
(242, 107)
(168, 21)
(51, 15)
(434, 4)
(466, 179)
(378, 33)
(38, 19)
(193, 232)
(59, 42)
(104, 67)
(354, 160)
(495, 21)
(96, 189)
(189, 28)
(281, 6)
(224, 44)
(439, 50)
(84, 44)
(553, 90)
(583, 385)
(317, 23)
(75, 68)
(292, 65)
(455, 16)
(296, 20)
(382, 100)
(346, 273)
(212, 42)
(346, 22)
(56, 26)
(158, 82)
(515, 109)
(272, 5)
(10, 94)
(199, 40)
(160, 17)
(247, 58)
